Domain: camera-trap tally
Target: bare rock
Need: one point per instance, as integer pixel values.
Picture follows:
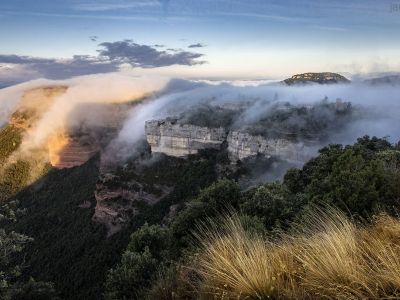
(179, 140)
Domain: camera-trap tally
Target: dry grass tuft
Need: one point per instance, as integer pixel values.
(326, 257)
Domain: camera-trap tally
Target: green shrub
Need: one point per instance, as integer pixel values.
(10, 139)
(154, 237)
(359, 179)
(129, 279)
(15, 178)
(210, 202)
(272, 203)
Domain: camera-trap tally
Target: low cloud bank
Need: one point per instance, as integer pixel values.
(72, 107)
(376, 108)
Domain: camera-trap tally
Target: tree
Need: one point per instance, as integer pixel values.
(273, 203)
(146, 251)
(359, 178)
(12, 243)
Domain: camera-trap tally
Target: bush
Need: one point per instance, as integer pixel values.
(359, 179)
(14, 179)
(33, 290)
(211, 201)
(146, 251)
(272, 203)
(153, 237)
(130, 278)
(10, 139)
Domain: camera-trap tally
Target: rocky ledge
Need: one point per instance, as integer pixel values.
(117, 200)
(242, 145)
(174, 139)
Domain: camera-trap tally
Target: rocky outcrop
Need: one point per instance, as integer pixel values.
(321, 78)
(242, 145)
(71, 147)
(174, 139)
(70, 152)
(116, 200)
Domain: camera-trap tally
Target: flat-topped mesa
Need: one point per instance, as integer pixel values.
(179, 140)
(174, 139)
(320, 78)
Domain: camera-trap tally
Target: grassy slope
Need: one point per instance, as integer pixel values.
(328, 257)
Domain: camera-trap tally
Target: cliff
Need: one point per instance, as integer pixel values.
(68, 152)
(242, 145)
(174, 139)
(117, 200)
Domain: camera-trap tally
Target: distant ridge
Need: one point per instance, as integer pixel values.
(320, 78)
(389, 79)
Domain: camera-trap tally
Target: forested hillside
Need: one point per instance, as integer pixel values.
(155, 255)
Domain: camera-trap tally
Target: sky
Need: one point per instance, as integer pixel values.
(213, 39)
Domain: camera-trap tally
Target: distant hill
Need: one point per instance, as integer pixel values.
(321, 78)
(390, 79)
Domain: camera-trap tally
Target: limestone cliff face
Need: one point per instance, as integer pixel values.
(170, 138)
(68, 152)
(182, 139)
(242, 145)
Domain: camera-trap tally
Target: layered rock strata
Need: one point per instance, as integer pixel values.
(242, 145)
(179, 140)
(174, 139)
(117, 200)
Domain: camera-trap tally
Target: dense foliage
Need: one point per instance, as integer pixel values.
(10, 139)
(359, 179)
(12, 287)
(73, 252)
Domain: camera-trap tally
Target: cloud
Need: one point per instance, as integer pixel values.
(53, 68)
(376, 109)
(128, 52)
(330, 28)
(112, 56)
(198, 45)
(74, 107)
(94, 38)
(119, 17)
(116, 5)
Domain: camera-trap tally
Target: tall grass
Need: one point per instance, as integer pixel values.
(328, 257)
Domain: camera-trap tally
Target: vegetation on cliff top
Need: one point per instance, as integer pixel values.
(321, 78)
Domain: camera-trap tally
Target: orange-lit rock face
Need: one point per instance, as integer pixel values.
(64, 151)
(68, 152)
(75, 140)
(55, 145)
